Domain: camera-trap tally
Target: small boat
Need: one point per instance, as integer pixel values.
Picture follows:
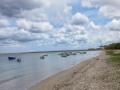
(73, 53)
(18, 60)
(11, 58)
(64, 54)
(83, 52)
(42, 57)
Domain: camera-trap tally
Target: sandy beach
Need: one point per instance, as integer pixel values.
(92, 74)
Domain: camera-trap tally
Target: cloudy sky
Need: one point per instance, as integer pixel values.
(38, 25)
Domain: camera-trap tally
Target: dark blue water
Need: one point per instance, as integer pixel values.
(32, 69)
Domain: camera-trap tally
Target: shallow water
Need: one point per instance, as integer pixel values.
(32, 69)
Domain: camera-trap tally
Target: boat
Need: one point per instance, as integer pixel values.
(11, 58)
(18, 60)
(73, 53)
(64, 54)
(42, 57)
(83, 52)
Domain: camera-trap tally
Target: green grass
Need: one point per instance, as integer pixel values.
(110, 52)
(114, 57)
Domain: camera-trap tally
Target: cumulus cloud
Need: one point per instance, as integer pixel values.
(114, 25)
(35, 27)
(6, 33)
(37, 14)
(79, 19)
(95, 27)
(37, 22)
(39, 27)
(22, 36)
(12, 8)
(36, 9)
(4, 23)
(110, 11)
(23, 24)
(71, 35)
(26, 31)
(108, 8)
(67, 9)
(86, 3)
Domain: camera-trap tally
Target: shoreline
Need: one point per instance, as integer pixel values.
(61, 79)
(2, 53)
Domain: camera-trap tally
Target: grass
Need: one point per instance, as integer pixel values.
(114, 57)
(110, 52)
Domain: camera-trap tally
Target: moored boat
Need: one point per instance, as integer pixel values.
(11, 58)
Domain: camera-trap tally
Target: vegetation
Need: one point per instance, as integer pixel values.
(113, 51)
(110, 52)
(112, 46)
(113, 61)
(114, 57)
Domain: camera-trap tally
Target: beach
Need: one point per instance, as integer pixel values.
(92, 74)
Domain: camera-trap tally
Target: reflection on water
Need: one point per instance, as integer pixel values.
(32, 69)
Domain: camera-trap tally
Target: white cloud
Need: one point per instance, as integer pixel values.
(79, 19)
(34, 26)
(108, 8)
(94, 26)
(23, 24)
(6, 33)
(70, 35)
(110, 11)
(41, 27)
(67, 9)
(11, 8)
(86, 3)
(22, 36)
(114, 25)
(37, 14)
(4, 23)
(37, 25)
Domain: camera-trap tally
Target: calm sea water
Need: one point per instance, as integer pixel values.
(32, 69)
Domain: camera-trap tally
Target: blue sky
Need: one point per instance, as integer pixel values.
(29, 25)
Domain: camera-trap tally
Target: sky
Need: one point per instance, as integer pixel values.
(45, 25)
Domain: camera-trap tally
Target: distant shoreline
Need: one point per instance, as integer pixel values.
(51, 51)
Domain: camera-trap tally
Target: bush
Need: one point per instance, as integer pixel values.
(113, 46)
